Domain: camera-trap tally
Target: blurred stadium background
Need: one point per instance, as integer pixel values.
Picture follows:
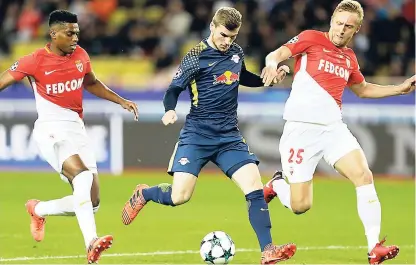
(136, 46)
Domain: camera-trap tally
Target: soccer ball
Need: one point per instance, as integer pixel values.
(217, 248)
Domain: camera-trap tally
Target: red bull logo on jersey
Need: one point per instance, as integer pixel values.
(68, 86)
(331, 68)
(227, 78)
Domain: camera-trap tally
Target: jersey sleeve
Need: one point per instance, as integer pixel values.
(88, 66)
(356, 77)
(300, 43)
(25, 66)
(187, 71)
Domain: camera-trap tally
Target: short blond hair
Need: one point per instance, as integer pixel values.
(351, 6)
(229, 17)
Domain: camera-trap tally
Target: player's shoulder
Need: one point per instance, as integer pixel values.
(350, 52)
(237, 47)
(196, 50)
(309, 35)
(313, 33)
(81, 51)
(39, 53)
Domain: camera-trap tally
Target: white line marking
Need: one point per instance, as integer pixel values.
(159, 253)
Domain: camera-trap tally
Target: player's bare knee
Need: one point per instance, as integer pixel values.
(181, 197)
(253, 185)
(73, 166)
(300, 207)
(248, 178)
(362, 177)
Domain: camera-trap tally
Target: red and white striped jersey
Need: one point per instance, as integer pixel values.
(57, 82)
(322, 71)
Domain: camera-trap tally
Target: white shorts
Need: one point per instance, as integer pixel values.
(58, 140)
(302, 146)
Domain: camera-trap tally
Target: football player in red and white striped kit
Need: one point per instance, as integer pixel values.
(58, 74)
(314, 129)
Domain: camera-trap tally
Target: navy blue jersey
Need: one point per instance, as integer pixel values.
(212, 79)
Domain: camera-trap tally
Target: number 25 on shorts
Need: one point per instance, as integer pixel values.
(299, 155)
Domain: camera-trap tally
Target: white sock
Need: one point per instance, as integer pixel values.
(59, 207)
(282, 189)
(83, 206)
(369, 210)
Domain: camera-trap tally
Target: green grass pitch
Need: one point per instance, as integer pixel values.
(330, 233)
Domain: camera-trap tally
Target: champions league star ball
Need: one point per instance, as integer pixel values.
(217, 248)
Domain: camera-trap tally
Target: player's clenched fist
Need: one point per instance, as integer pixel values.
(170, 117)
(132, 107)
(281, 74)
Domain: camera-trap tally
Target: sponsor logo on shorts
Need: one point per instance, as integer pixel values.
(183, 161)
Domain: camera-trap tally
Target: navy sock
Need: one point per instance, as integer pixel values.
(258, 213)
(161, 194)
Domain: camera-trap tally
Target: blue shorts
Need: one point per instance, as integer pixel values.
(229, 157)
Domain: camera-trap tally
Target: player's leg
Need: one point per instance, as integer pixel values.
(65, 206)
(81, 171)
(300, 150)
(248, 179)
(80, 203)
(46, 137)
(346, 156)
(95, 192)
(239, 164)
(81, 178)
(69, 153)
(178, 193)
(185, 164)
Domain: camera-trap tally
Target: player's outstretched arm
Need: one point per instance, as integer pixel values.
(250, 79)
(369, 90)
(99, 89)
(6, 79)
(273, 59)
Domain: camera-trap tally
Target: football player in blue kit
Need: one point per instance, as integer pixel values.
(212, 72)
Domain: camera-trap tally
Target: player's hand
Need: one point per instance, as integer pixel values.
(271, 75)
(268, 74)
(408, 85)
(282, 71)
(170, 117)
(132, 107)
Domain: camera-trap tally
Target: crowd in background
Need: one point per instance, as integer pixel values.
(158, 29)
